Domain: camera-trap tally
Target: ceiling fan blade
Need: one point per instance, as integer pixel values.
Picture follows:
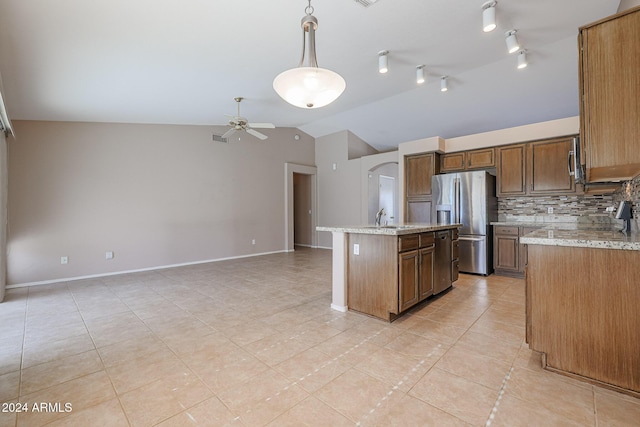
(257, 134)
(262, 125)
(228, 133)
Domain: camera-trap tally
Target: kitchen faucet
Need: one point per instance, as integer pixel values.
(379, 215)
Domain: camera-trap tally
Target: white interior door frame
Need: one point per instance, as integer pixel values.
(289, 170)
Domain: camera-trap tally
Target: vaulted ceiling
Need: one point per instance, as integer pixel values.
(183, 62)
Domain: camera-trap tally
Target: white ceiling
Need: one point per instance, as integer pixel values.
(183, 62)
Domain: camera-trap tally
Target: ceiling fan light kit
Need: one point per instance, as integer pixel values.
(309, 86)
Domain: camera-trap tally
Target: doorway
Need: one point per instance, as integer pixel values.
(292, 169)
(386, 198)
(383, 193)
(301, 210)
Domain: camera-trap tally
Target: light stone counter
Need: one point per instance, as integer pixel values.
(390, 230)
(583, 238)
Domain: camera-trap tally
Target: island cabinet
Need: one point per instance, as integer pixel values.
(468, 160)
(535, 168)
(419, 169)
(610, 97)
(389, 274)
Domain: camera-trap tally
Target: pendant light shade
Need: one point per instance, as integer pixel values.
(420, 74)
(512, 41)
(443, 84)
(383, 61)
(522, 59)
(489, 16)
(309, 86)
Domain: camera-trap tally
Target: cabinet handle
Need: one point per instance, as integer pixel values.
(569, 154)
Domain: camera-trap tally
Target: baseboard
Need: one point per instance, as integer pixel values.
(342, 308)
(116, 273)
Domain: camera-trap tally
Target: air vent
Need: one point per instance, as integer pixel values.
(219, 138)
(366, 3)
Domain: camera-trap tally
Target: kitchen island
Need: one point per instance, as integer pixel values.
(582, 300)
(384, 270)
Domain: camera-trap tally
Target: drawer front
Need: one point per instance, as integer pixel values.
(408, 242)
(426, 239)
(509, 231)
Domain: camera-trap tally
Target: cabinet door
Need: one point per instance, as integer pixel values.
(426, 272)
(419, 212)
(452, 162)
(506, 252)
(610, 83)
(418, 172)
(408, 270)
(523, 248)
(480, 159)
(548, 167)
(511, 171)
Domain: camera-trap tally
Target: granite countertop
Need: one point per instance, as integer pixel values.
(390, 230)
(583, 238)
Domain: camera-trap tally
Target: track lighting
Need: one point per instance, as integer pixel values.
(522, 59)
(383, 61)
(309, 86)
(512, 41)
(443, 84)
(489, 16)
(420, 74)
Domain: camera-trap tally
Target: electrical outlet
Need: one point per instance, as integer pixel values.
(64, 260)
(610, 209)
(356, 249)
(550, 210)
(253, 241)
(108, 255)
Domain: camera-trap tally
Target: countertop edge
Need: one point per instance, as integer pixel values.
(388, 231)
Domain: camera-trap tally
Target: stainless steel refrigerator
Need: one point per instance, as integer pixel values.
(468, 198)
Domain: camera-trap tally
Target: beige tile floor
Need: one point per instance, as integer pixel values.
(253, 342)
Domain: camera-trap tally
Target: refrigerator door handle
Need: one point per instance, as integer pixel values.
(456, 201)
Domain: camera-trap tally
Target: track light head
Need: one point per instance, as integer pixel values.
(420, 74)
(489, 16)
(522, 59)
(383, 61)
(512, 41)
(443, 84)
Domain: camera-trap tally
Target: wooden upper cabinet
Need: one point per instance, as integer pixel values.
(418, 170)
(511, 178)
(610, 101)
(535, 168)
(548, 167)
(468, 160)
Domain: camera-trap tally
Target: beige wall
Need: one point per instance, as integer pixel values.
(628, 4)
(156, 195)
(3, 214)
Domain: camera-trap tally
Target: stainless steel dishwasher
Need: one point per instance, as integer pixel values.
(442, 261)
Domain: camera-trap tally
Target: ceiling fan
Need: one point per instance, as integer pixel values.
(239, 123)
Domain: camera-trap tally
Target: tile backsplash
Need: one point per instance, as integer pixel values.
(575, 208)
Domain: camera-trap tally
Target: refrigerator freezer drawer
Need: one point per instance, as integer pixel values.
(474, 255)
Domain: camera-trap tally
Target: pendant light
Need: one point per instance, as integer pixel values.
(489, 16)
(309, 86)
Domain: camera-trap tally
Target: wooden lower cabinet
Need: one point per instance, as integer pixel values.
(582, 313)
(408, 278)
(509, 256)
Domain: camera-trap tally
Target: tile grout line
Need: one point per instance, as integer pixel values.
(494, 410)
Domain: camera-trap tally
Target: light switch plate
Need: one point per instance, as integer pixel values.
(356, 249)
